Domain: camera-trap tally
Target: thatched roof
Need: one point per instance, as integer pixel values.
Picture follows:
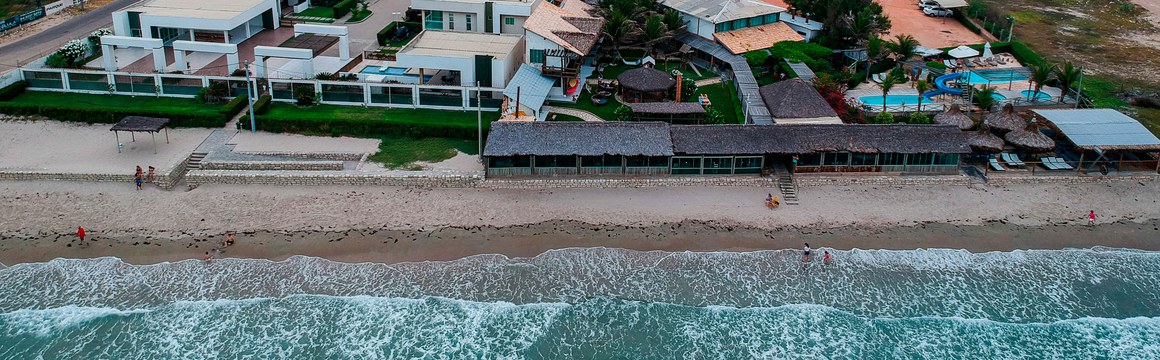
(1031, 139)
(579, 138)
(646, 79)
(801, 139)
(955, 117)
(667, 108)
(1005, 120)
(795, 99)
(140, 124)
(983, 140)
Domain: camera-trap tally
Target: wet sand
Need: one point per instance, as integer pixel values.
(392, 246)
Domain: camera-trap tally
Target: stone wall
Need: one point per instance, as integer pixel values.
(305, 155)
(165, 179)
(272, 165)
(199, 177)
(1072, 179)
(871, 180)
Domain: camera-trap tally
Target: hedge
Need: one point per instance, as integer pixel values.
(234, 106)
(262, 106)
(1025, 54)
(12, 91)
(365, 128)
(109, 116)
(343, 7)
(386, 33)
(324, 3)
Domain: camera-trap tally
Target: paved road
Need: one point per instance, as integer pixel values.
(52, 38)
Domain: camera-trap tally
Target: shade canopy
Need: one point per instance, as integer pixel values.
(140, 124)
(1005, 120)
(1106, 128)
(987, 50)
(983, 140)
(950, 4)
(1030, 139)
(646, 79)
(927, 52)
(963, 51)
(954, 116)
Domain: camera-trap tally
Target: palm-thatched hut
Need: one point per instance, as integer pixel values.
(645, 84)
(983, 140)
(954, 116)
(1005, 120)
(1030, 139)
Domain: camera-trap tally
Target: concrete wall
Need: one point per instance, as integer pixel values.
(701, 27)
(518, 9)
(121, 27)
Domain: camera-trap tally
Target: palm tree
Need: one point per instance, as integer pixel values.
(654, 31)
(904, 47)
(1067, 75)
(892, 78)
(617, 27)
(1040, 74)
(985, 98)
(922, 86)
(873, 52)
(673, 21)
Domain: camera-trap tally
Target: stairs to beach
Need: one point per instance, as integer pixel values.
(194, 161)
(788, 188)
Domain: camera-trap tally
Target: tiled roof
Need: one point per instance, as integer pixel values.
(571, 26)
(741, 41)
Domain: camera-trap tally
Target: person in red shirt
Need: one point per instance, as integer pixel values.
(81, 233)
(826, 258)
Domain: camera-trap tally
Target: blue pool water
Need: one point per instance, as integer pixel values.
(1040, 96)
(378, 70)
(892, 100)
(998, 96)
(594, 303)
(994, 78)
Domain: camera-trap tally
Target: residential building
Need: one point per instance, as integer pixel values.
(480, 16)
(220, 21)
(557, 40)
(802, 25)
(467, 58)
(740, 25)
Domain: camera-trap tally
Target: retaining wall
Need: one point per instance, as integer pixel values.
(272, 165)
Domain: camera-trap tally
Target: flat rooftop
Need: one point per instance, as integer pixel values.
(719, 11)
(461, 44)
(197, 9)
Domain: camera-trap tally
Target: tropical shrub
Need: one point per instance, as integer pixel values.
(919, 118)
(883, 118)
(304, 95)
(12, 91)
(623, 113)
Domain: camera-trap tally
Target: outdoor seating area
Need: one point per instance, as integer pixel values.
(645, 84)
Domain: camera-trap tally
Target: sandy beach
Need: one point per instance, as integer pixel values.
(402, 224)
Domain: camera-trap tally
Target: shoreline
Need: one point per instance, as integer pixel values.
(530, 240)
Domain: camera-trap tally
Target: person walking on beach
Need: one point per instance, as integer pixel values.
(81, 234)
(806, 255)
(149, 177)
(1092, 218)
(138, 181)
(826, 257)
(207, 257)
(138, 173)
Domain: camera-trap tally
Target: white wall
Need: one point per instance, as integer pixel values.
(535, 41)
(148, 21)
(702, 28)
(520, 10)
(121, 23)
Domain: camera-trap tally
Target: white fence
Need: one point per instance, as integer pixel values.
(326, 92)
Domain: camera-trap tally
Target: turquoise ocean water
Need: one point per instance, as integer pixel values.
(594, 303)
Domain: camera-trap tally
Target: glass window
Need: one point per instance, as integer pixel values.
(468, 22)
(451, 22)
(946, 159)
(755, 21)
(433, 20)
(718, 165)
(811, 159)
(509, 161)
(739, 24)
(686, 165)
(601, 161)
(837, 159)
(919, 159)
(860, 159)
(536, 56)
(555, 161)
(771, 18)
(747, 165)
(646, 161)
(508, 20)
(721, 27)
(888, 159)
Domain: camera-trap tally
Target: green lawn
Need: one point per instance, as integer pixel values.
(121, 102)
(685, 71)
(724, 98)
(322, 12)
(290, 111)
(402, 152)
(606, 111)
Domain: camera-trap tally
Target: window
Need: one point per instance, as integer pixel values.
(756, 21)
(739, 24)
(536, 56)
(601, 161)
(686, 165)
(508, 20)
(811, 159)
(468, 22)
(837, 159)
(509, 161)
(555, 161)
(771, 18)
(890, 159)
(747, 165)
(946, 159)
(723, 27)
(646, 161)
(718, 165)
(451, 22)
(860, 159)
(433, 20)
(919, 159)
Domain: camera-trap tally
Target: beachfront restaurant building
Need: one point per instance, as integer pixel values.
(1102, 139)
(657, 149)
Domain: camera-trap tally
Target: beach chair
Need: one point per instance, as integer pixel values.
(1011, 159)
(950, 64)
(1016, 159)
(878, 77)
(995, 164)
(1049, 163)
(991, 61)
(1062, 164)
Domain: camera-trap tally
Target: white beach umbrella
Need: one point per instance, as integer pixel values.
(963, 51)
(987, 54)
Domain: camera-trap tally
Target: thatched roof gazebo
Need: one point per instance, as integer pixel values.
(1031, 139)
(645, 83)
(982, 140)
(954, 116)
(1005, 120)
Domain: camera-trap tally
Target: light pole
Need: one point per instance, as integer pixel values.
(1011, 28)
(250, 92)
(479, 120)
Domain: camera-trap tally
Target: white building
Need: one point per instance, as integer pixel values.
(706, 17)
(489, 59)
(557, 40)
(220, 21)
(481, 16)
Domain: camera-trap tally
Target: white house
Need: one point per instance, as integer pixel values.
(706, 17)
(481, 16)
(489, 59)
(220, 21)
(557, 40)
(807, 28)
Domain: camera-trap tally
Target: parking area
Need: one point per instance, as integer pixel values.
(933, 32)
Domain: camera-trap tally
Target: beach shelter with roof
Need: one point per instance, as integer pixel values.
(795, 101)
(1030, 138)
(136, 124)
(670, 112)
(645, 84)
(955, 117)
(963, 51)
(1105, 135)
(982, 140)
(1005, 120)
(577, 148)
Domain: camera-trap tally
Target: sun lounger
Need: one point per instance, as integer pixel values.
(1016, 159)
(950, 64)
(991, 61)
(1011, 159)
(878, 78)
(1049, 163)
(1062, 164)
(995, 164)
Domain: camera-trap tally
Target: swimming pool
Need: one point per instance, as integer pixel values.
(998, 96)
(892, 100)
(1040, 96)
(994, 78)
(378, 70)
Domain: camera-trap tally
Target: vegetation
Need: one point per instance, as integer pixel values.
(109, 109)
(883, 118)
(922, 86)
(234, 106)
(892, 78)
(623, 113)
(985, 98)
(12, 91)
(919, 118)
(845, 23)
(835, 94)
(724, 99)
(317, 11)
(360, 12)
(403, 152)
(371, 122)
(390, 34)
(903, 47)
(638, 22)
(1040, 75)
(262, 105)
(304, 95)
(216, 93)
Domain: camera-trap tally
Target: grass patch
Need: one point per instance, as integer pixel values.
(359, 16)
(606, 111)
(317, 11)
(95, 101)
(724, 99)
(335, 120)
(685, 71)
(403, 152)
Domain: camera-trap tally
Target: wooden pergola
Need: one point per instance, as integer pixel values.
(136, 124)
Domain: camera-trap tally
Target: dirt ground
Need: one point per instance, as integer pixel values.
(932, 32)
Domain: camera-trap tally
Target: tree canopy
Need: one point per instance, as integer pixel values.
(845, 22)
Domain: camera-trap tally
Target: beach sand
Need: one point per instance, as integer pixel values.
(383, 224)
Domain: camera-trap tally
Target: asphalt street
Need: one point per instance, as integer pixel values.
(50, 39)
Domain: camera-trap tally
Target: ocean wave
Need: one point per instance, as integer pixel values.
(1020, 287)
(313, 326)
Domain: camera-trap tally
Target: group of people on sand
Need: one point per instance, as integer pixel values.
(826, 258)
(231, 237)
(140, 177)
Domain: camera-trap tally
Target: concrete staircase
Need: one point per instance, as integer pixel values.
(788, 188)
(194, 161)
